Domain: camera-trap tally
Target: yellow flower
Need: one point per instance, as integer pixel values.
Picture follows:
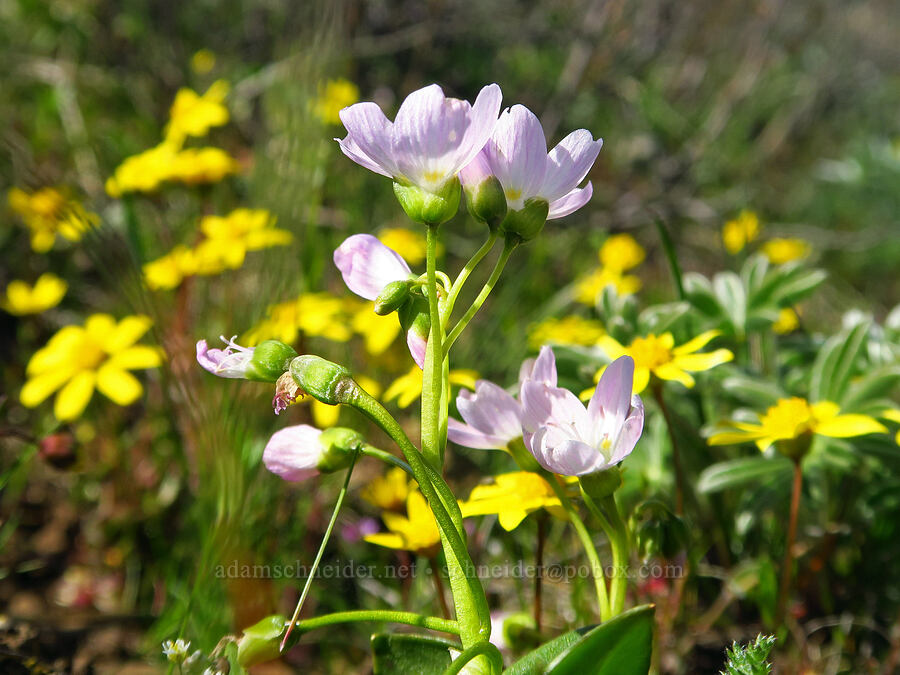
(658, 354)
(202, 165)
(333, 96)
(21, 298)
(783, 250)
(621, 252)
(737, 233)
(314, 314)
(170, 270)
(797, 418)
(48, 212)
(407, 388)
(389, 492)
(203, 61)
(378, 332)
(193, 115)
(409, 244)
(893, 415)
(417, 533)
(146, 171)
(787, 322)
(569, 330)
(80, 358)
(228, 238)
(512, 496)
(591, 285)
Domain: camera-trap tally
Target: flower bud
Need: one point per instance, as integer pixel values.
(339, 446)
(601, 484)
(263, 363)
(429, 208)
(271, 359)
(485, 199)
(392, 297)
(529, 221)
(261, 641)
(323, 380)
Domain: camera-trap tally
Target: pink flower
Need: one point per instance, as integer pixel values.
(517, 155)
(493, 417)
(431, 139)
(367, 266)
(231, 362)
(568, 439)
(294, 452)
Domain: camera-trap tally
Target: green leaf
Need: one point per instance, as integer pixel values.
(660, 318)
(738, 472)
(399, 654)
(753, 391)
(753, 273)
(875, 384)
(796, 285)
(621, 646)
(835, 364)
(535, 662)
(699, 293)
(733, 298)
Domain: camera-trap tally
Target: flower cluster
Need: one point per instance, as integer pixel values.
(745, 229)
(619, 254)
(49, 212)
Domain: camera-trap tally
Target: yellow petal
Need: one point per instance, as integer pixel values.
(734, 437)
(509, 520)
(62, 349)
(99, 327)
(641, 379)
(846, 426)
(118, 385)
(38, 388)
(42, 240)
(126, 333)
(697, 343)
(74, 397)
(612, 347)
(825, 410)
(700, 362)
(671, 372)
(891, 414)
(137, 358)
(388, 540)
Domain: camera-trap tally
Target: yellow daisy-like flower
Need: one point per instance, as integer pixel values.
(409, 244)
(378, 332)
(389, 492)
(512, 496)
(148, 170)
(48, 212)
(784, 250)
(569, 330)
(796, 418)
(787, 322)
(314, 314)
(22, 298)
(230, 237)
(203, 61)
(334, 95)
(79, 358)
(417, 532)
(407, 388)
(657, 354)
(170, 270)
(739, 232)
(194, 115)
(590, 286)
(621, 252)
(194, 166)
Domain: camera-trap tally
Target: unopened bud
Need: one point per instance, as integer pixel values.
(339, 447)
(429, 208)
(601, 484)
(261, 641)
(270, 361)
(529, 221)
(392, 297)
(486, 201)
(323, 380)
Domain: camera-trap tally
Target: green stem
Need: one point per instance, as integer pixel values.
(380, 615)
(614, 527)
(432, 447)
(315, 565)
(386, 457)
(587, 544)
(464, 275)
(508, 248)
(484, 648)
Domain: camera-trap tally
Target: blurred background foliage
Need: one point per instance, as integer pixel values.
(706, 108)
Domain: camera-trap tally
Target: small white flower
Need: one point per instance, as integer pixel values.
(176, 650)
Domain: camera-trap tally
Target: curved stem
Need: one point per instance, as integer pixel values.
(381, 615)
(508, 248)
(587, 544)
(315, 565)
(484, 648)
(431, 376)
(464, 275)
(386, 457)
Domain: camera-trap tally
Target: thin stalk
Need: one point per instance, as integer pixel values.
(484, 648)
(386, 457)
(787, 568)
(380, 615)
(439, 587)
(431, 375)
(315, 565)
(676, 455)
(508, 247)
(539, 563)
(464, 275)
(619, 543)
(589, 549)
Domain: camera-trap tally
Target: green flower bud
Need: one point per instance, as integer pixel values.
(270, 360)
(429, 208)
(392, 297)
(339, 447)
(323, 380)
(486, 201)
(527, 223)
(261, 641)
(601, 484)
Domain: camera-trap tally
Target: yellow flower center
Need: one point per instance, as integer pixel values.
(512, 194)
(433, 177)
(47, 202)
(650, 352)
(789, 418)
(90, 355)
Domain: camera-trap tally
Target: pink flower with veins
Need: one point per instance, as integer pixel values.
(231, 362)
(517, 155)
(493, 418)
(430, 140)
(367, 266)
(568, 439)
(294, 452)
